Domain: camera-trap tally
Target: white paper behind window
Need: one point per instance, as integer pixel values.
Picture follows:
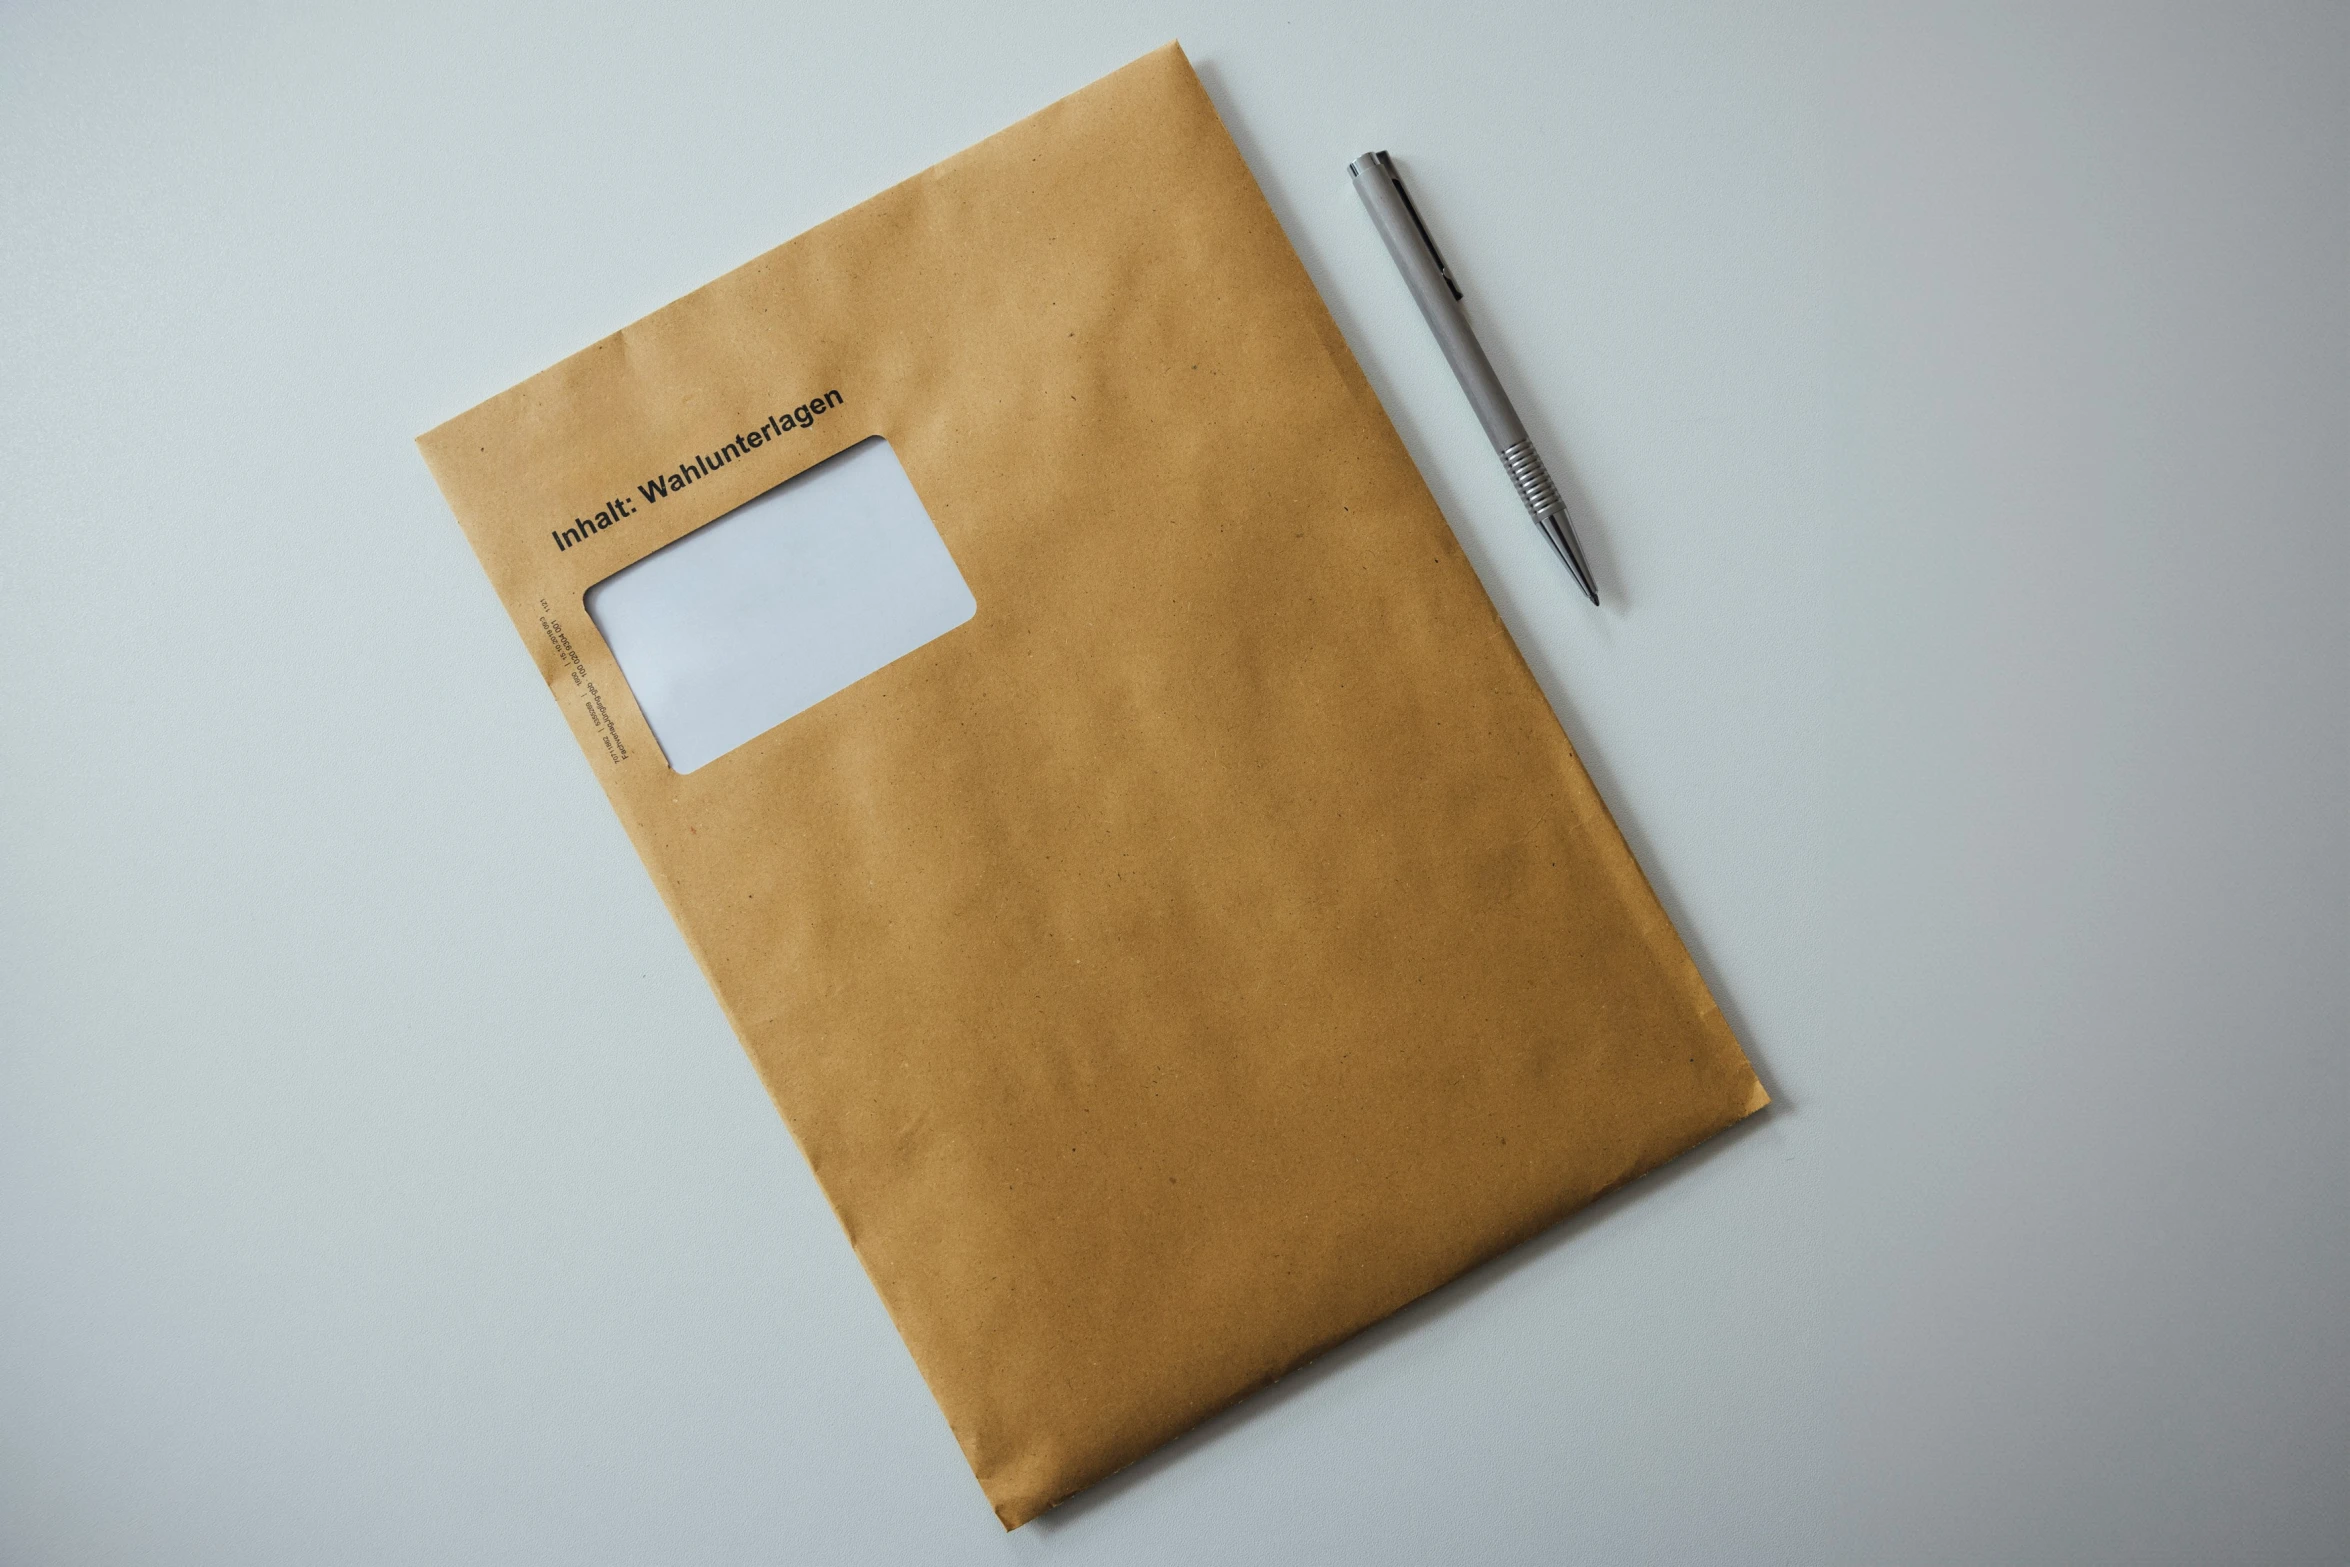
(780, 603)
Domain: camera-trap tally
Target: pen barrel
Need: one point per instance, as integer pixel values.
(1434, 292)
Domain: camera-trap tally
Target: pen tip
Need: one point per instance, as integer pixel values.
(1561, 534)
(1581, 573)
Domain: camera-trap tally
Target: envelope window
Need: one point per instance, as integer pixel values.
(752, 619)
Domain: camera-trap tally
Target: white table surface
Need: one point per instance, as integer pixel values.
(1957, 399)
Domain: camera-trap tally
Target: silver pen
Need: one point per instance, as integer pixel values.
(1432, 285)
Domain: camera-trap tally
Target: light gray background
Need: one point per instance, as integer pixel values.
(1956, 398)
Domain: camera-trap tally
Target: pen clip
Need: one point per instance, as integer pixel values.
(1387, 167)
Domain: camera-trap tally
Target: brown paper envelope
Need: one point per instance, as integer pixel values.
(1212, 945)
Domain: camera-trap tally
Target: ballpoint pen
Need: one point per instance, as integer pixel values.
(1432, 284)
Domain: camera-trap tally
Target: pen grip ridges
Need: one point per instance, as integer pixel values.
(1533, 481)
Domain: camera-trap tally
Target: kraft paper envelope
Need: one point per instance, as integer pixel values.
(1210, 944)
